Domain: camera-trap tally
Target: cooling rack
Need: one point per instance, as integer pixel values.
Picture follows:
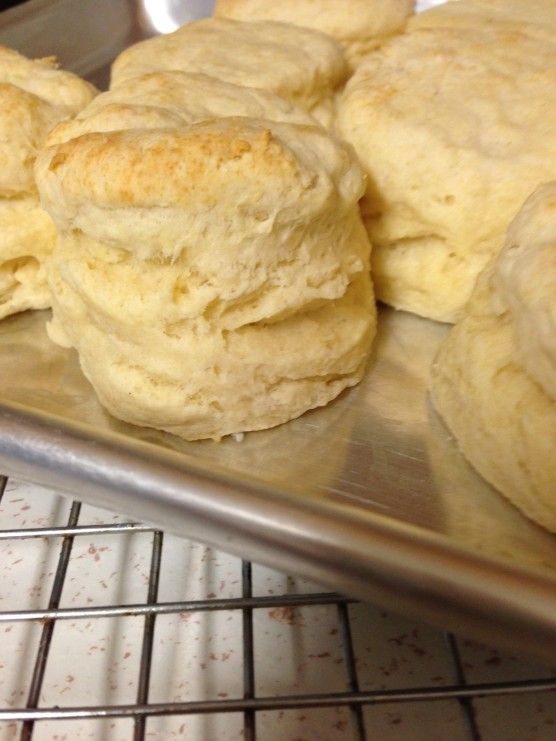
(353, 701)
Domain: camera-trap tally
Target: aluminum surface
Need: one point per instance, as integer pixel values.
(368, 496)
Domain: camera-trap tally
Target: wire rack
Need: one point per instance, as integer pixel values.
(32, 712)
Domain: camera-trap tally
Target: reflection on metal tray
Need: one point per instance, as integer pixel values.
(85, 35)
(368, 495)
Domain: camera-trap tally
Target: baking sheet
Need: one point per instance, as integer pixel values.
(368, 495)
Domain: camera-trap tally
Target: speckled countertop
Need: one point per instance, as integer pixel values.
(198, 655)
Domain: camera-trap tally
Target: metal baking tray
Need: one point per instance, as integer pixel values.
(368, 496)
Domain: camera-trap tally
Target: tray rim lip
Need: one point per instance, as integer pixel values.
(69, 429)
(502, 590)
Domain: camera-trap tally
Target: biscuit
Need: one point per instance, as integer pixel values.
(212, 276)
(494, 380)
(455, 128)
(359, 25)
(34, 96)
(299, 64)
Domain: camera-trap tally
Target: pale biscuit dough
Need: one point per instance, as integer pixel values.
(301, 65)
(212, 276)
(34, 96)
(359, 25)
(494, 380)
(454, 127)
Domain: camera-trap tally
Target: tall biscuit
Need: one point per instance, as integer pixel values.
(213, 276)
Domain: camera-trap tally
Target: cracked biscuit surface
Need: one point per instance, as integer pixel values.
(34, 96)
(212, 275)
(455, 127)
(494, 380)
(299, 64)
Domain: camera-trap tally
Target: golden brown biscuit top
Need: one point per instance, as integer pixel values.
(162, 167)
(226, 172)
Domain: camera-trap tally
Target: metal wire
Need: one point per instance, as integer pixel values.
(165, 608)
(465, 702)
(351, 670)
(48, 628)
(250, 704)
(282, 702)
(49, 532)
(148, 635)
(248, 652)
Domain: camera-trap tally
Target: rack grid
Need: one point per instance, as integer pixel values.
(250, 704)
